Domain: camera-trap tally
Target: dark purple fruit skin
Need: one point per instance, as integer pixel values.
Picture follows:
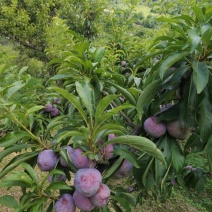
(65, 204)
(54, 112)
(87, 181)
(154, 128)
(177, 129)
(82, 202)
(62, 161)
(108, 151)
(48, 108)
(80, 161)
(47, 160)
(101, 197)
(124, 171)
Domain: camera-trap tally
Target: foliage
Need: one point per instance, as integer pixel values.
(99, 91)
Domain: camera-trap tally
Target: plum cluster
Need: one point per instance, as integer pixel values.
(90, 192)
(50, 108)
(157, 129)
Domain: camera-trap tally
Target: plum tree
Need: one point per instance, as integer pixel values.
(124, 170)
(154, 128)
(101, 197)
(65, 204)
(82, 202)
(87, 181)
(47, 160)
(177, 129)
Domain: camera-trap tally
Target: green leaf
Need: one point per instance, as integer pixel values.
(38, 206)
(68, 134)
(12, 149)
(98, 54)
(103, 104)
(205, 121)
(73, 99)
(2, 68)
(124, 92)
(113, 168)
(123, 202)
(8, 201)
(141, 143)
(8, 184)
(20, 176)
(198, 11)
(16, 86)
(170, 61)
(178, 159)
(34, 109)
(58, 186)
(147, 95)
(12, 137)
(17, 160)
(200, 75)
(86, 93)
(195, 39)
(110, 113)
(54, 123)
(31, 172)
(127, 155)
(130, 198)
(23, 69)
(209, 153)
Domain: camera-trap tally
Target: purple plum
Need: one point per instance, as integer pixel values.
(87, 181)
(111, 136)
(177, 129)
(101, 197)
(154, 128)
(124, 170)
(47, 160)
(65, 204)
(54, 112)
(82, 202)
(80, 161)
(48, 108)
